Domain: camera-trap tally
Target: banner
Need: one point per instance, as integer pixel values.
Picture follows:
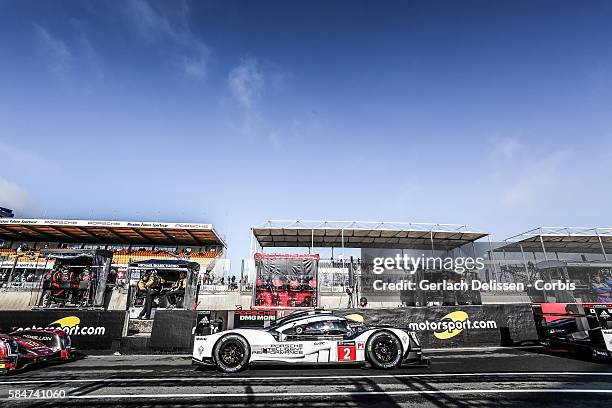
(88, 329)
(211, 322)
(457, 326)
(172, 330)
(117, 224)
(253, 318)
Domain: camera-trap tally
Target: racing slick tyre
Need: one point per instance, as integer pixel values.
(231, 353)
(384, 350)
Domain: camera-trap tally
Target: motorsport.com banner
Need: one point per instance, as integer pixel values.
(88, 329)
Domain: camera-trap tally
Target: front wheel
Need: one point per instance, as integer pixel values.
(232, 353)
(384, 350)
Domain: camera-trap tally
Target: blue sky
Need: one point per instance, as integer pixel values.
(497, 115)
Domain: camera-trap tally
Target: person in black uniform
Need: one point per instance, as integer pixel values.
(153, 287)
(178, 290)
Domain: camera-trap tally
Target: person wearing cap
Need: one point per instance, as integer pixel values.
(153, 286)
(178, 290)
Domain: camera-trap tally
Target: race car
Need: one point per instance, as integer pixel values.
(309, 337)
(582, 329)
(26, 347)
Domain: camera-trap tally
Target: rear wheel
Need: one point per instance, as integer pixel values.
(384, 350)
(232, 353)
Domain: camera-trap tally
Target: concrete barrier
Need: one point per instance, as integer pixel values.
(223, 300)
(437, 326)
(91, 331)
(17, 300)
(458, 326)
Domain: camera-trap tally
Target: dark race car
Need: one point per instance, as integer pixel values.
(26, 347)
(582, 329)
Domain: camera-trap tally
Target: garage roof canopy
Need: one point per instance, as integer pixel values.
(108, 232)
(364, 234)
(561, 239)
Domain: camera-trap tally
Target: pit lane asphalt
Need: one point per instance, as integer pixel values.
(499, 377)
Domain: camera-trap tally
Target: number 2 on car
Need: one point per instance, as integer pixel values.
(347, 353)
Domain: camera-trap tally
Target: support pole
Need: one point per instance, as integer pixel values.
(312, 240)
(524, 261)
(543, 248)
(342, 234)
(10, 278)
(492, 258)
(603, 249)
(432, 242)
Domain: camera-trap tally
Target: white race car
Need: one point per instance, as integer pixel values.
(315, 337)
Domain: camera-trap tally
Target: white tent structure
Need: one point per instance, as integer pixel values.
(363, 234)
(561, 240)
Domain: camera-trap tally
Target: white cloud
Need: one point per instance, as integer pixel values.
(535, 181)
(246, 82)
(195, 67)
(190, 54)
(55, 51)
(13, 196)
(91, 58)
(151, 25)
(15, 158)
(507, 148)
(519, 175)
(274, 140)
(75, 65)
(251, 124)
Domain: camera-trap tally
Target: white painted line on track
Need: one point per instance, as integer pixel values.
(332, 394)
(325, 377)
(479, 349)
(138, 356)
